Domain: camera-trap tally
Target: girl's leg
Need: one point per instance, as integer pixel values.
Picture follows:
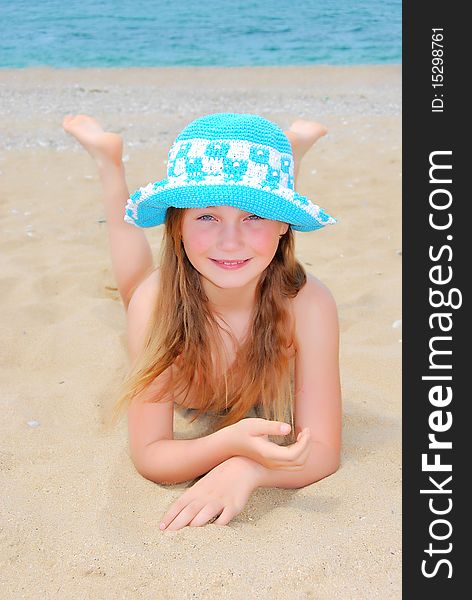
(302, 135)
(131, 255)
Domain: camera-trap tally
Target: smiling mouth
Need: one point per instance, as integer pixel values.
(230, 262)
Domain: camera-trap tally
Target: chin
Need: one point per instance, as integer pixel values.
(227, 283)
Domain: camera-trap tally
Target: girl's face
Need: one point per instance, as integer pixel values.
(226, 233)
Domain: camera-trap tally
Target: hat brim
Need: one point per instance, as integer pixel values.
(147, 207)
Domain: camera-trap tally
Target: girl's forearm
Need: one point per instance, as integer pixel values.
(322, 461)
(175, 461)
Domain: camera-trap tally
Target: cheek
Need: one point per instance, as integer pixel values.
(265, 242)
(195, 241)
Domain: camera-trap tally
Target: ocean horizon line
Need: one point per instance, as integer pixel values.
(193, 67)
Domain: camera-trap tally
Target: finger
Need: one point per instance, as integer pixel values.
(300, 434)
(297, 463)
(229, 512)
(297, 452)
(299, 448)
(207, 513)
(174, 510)
(265, 427)
(293, 450)
(303, 432)
(301, 459)
(302, 438)
(184, 517)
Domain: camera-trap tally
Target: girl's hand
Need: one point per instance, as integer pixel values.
(223, 491)
(250, 438)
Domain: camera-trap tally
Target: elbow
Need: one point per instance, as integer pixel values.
(151, 472)
(143, 469)
(146, 470)
(333, 467)
(330, 463)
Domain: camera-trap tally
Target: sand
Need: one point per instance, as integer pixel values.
(78, 521)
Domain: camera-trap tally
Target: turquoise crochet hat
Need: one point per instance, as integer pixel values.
(232, 159)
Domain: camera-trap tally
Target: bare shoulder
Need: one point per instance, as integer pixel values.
(148, 286)
(314, 287)
(315, 304)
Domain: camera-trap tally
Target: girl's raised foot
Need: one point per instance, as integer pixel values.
(306, 133)
(102, 145)
(302, 135)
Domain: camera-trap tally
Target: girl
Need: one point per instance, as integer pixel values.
(230, 320)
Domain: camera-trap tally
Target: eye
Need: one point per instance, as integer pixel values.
(202, 217)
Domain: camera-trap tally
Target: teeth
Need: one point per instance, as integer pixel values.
(236, 262)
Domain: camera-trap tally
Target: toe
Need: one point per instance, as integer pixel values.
(66, 120)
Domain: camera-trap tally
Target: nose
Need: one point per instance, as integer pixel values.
(231, 237)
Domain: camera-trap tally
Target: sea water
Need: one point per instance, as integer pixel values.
(114, 33)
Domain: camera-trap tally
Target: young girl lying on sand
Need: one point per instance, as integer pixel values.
(228, 207)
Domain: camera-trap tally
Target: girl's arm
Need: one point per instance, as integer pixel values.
(317, 388)
(154, 452)
(175, 461)
(322, 461)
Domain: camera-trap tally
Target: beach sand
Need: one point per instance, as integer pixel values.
(78, 520)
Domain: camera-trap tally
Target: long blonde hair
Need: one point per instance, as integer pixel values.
(262, 373)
